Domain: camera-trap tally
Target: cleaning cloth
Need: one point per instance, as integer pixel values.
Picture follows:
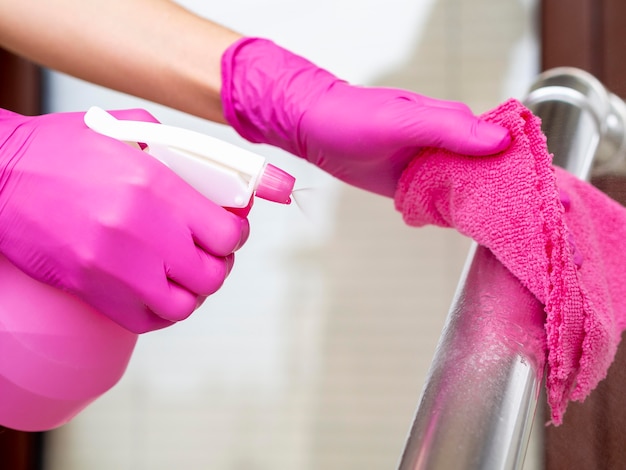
(540, 222)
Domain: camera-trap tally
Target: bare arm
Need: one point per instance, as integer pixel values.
(153, 49)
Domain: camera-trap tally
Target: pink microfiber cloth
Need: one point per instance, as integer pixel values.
(514, 204)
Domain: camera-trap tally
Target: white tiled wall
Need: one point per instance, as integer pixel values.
(313, 355)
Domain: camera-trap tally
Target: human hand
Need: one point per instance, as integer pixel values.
(363, 136)
(108, 223)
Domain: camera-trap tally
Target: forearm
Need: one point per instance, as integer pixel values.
(153, 49)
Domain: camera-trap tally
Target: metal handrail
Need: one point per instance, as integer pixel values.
(479, 400)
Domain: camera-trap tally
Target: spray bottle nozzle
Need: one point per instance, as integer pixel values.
(224, 173)
(275, 185)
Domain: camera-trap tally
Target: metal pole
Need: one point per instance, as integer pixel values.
(477, 407)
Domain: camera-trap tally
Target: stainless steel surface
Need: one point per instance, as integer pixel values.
(480, 397)
(581, 119)
(484, 382)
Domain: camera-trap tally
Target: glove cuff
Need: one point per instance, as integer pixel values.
(266, 89)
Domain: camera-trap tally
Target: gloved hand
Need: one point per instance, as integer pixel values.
(363, 136)
(104, 221)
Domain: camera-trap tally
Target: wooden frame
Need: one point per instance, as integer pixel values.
(588, 34)
(591, 35)
(20, 91)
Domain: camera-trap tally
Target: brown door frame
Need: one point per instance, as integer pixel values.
(20, 91)
(590, 35)
(20, 84)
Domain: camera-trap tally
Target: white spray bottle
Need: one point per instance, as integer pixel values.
(58, 354)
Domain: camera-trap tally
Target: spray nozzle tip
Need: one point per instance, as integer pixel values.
(275, 185)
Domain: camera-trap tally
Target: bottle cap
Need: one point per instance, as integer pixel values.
(275, 185)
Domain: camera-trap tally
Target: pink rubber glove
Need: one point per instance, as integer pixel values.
(363, 136)
(104, 221)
